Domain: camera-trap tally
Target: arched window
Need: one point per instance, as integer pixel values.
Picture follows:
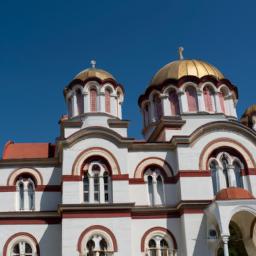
(80, 101)
(21, 195)
(107, 101)
(160, 245)
(70, 108)
(157, 107)
(238, 173)
(98, 245)
(22, 248)
(208, 98)
(174, 103)
(97, 183)
(150, 190)
(155, 185)
(192, 99)
(226, 171)
(215, 176)
(26, 193)
(146, 115)
(222, 101)
(31, 195)
(93, 100)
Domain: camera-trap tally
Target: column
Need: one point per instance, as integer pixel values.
(101, 102)
(113, 105)
(201, 106)
(225, 239)
(158, 245)
(74, 105)
(86, 102)
(96, 240)
(217, 103)
(165, 105)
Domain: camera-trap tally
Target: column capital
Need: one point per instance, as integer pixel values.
(225, 238)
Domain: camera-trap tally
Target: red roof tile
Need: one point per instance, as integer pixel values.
(233, 194)
(28, 150)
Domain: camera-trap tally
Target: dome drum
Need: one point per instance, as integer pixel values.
(188, 87)
(94, 91)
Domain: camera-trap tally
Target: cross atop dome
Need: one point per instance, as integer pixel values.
(93, 63)
(181, 49)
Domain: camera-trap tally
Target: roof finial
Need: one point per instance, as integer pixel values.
(181, 49)
(93, 63)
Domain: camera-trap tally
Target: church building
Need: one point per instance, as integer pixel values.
(187, 189)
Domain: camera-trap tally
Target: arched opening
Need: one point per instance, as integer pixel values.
(192, 99)
(25, 187)
(157, 107)
(107, 101)
(93, 100)
(215, 176)
(146, 115)
(155, 184)
(80, 101)
(96, 181)
(70, 108)
(208, 93)
(223, 93)
(174, 102)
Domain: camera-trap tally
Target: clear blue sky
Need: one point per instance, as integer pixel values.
(45, 43)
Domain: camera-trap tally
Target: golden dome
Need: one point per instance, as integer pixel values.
(181, 68)
(93, 72)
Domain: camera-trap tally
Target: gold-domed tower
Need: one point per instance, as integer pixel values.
(182, 88)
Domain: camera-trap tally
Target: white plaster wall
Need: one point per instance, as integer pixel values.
(72, 229)
(188, 156)
(196, 188)
(134, 158)
(48, 237)
(192, 123)
(44, 201)
(194, 235)
(120, 191)
(139, 194)
(51, 175)
(72, 192)
(70, 154)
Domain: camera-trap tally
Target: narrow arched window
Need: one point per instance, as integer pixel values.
(158, 107)
(21, 195)
(215, 177)
(70, 108)
(208, 99)
(150, 190)
(106, 186)
(164, 248)
(86, 188)
(93, 100)
(98, 245)
(174, 103)
(238, 175)
(146, 115)
(80, 101)
(222, 101)
(192, 99)
(224, 161)
(107, 101)
(160, 190)
(152, 249)
(31, 195)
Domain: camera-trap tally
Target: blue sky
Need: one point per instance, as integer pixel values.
(45, 43)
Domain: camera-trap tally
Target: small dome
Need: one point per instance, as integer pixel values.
(180, 68)
(93, 72)
(233, 194)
